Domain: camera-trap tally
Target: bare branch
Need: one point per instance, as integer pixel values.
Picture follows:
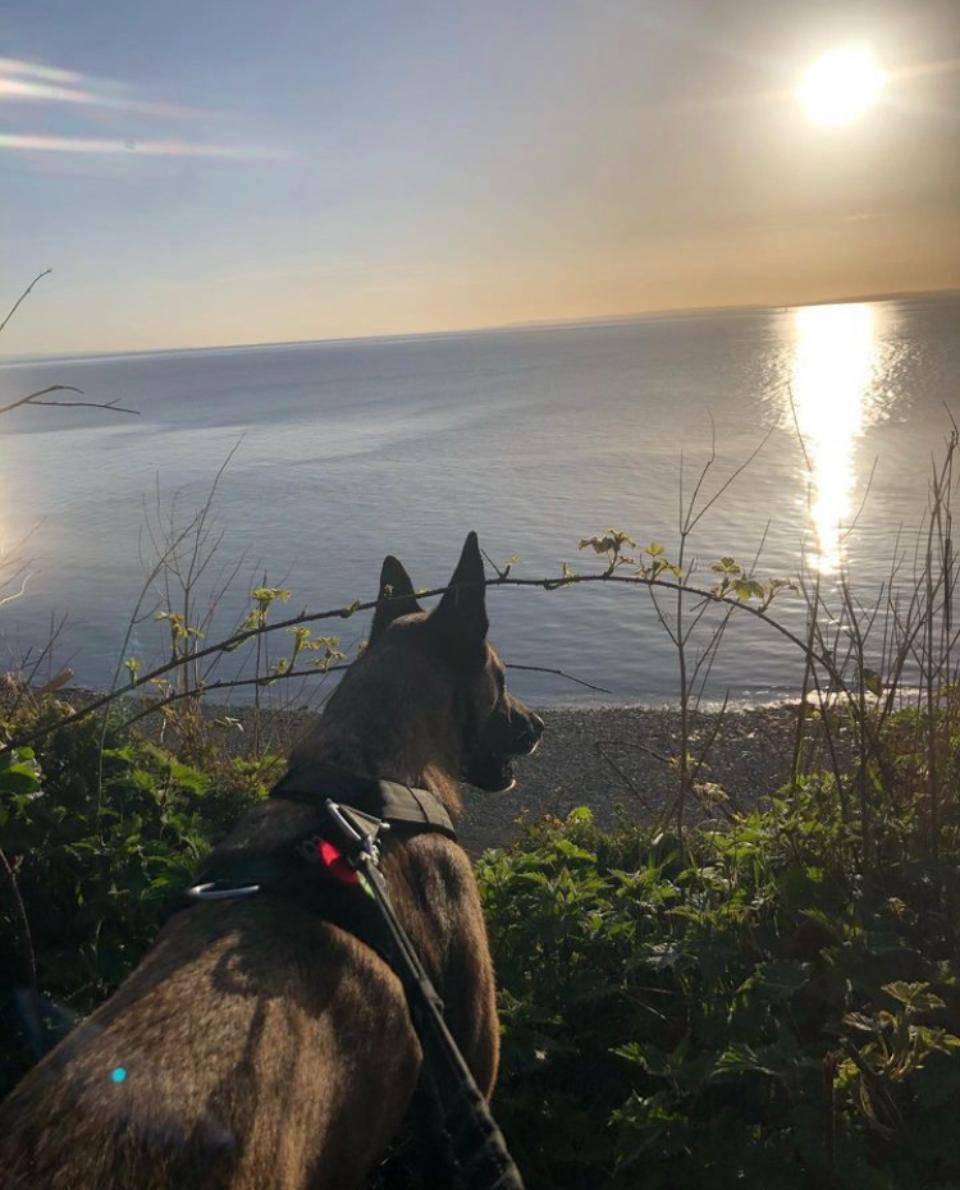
(622, 775)
(227, 684)
(26, 939)
(247, 634)
(23, 297)
(34, 399)
(540, 669)
(734, 475)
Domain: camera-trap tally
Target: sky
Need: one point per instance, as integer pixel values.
(228, 171)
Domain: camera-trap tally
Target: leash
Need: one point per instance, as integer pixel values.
(476, 1146)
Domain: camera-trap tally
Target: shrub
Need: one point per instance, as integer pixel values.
(100, 833)
(748, 1008)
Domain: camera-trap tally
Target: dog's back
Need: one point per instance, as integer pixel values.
(254, 1046)
(240, 1053)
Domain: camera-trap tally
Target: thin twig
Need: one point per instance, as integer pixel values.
(560, 673)
(33, 399)
(734, 475)
(623, 776)
(639, 747)
(239, 638)
(23, 297)
(226, 684)
(24, 926)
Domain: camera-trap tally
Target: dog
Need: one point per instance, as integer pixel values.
(258, 1045)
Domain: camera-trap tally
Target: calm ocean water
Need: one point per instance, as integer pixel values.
(535, 437)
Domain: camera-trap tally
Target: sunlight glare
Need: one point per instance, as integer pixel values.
(841, 85)
(832, 371)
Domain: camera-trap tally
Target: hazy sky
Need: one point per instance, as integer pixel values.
(229, 171)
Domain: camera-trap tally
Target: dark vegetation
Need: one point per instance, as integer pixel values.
(720, 999)
(751, 1006)
(100, 830)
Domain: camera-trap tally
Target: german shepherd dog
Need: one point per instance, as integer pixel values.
(258, 1045)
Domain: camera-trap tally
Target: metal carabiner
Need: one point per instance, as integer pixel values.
(210, 892)
(360, 831)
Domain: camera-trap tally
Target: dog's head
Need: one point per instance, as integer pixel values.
(492, 727)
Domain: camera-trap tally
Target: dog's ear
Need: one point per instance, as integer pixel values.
(460, 618)
(396, 586)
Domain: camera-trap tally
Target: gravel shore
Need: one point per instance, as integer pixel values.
(602, 757)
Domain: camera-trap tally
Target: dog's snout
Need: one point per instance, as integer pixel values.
(531, 729)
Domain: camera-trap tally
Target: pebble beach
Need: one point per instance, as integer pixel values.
(620, 756)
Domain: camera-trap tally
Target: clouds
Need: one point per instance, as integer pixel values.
(136, 148)
(16, 66)
(31, 86)
(32, 81)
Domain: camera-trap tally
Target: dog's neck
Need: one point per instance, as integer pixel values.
(373, 729)
(355, 757)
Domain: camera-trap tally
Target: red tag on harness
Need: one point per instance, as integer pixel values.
(332, 859)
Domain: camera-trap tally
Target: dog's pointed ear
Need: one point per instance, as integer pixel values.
(460, 618)
(396, 586)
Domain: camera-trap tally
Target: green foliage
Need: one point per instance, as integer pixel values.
(305, 642)
(99, 841)
(651, 564)
(609, 543)
(262, 598)
(180, 630)
(745, 1008)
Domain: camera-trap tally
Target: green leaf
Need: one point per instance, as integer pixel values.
(913, 995)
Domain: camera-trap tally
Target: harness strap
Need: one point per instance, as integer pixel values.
(479, 1153)
(404, 807)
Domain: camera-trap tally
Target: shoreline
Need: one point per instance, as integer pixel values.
(604, 756)
(599, 757)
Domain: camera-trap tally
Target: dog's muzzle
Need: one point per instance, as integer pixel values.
(528, 739)
(491, 768)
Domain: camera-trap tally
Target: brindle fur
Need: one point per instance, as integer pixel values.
(263, 1046)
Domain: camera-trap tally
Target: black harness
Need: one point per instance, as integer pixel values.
(403, 808)
(346, 848)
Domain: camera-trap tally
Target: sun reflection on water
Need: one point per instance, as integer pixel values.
(833, 366)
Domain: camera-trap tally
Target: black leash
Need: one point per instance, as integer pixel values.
(477, 1145)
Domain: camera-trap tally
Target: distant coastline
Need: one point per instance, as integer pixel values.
(546, 324)
(905, 295)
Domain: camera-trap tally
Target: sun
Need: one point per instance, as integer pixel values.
(841, 86)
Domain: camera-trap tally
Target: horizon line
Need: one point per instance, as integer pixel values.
(491, 328)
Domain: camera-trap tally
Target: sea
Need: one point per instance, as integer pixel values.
(790, 440)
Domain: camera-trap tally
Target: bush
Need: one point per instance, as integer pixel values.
(748, 1008)
(99, 841)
